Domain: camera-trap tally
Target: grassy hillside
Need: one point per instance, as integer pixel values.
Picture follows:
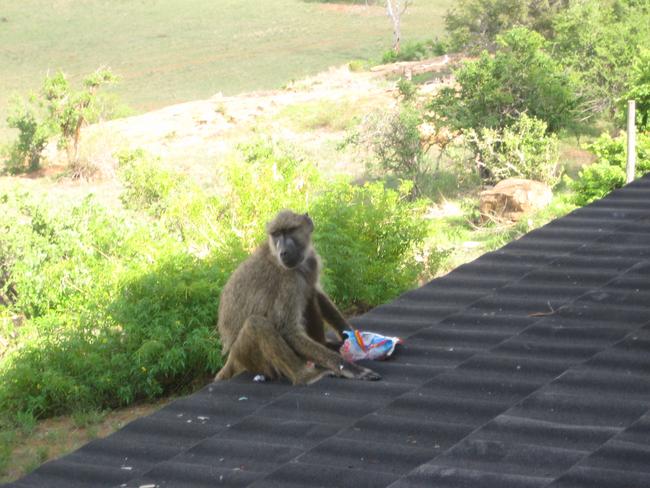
(168, 51)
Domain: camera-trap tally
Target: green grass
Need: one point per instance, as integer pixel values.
(332, 115)
(168, 51)
(464, 239)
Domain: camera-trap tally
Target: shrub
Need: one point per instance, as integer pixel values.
(374, 231)
(147, 186)
(415, 51)
(118, 306)
(475, 24)
(523, 150)
(70, 110)
(59, 110)
(608, 172)
(358, 65)
(99, 294)
(639, 91)
(521, 77)
(24, 154)
(407, 90)
(599, 42)
(270, 179)
(393, 141)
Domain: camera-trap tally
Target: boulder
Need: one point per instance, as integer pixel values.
(510, 199)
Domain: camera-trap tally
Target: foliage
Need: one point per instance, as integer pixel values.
(99, 294)
(640, 90)
(24, 154)
(358, 65)
(270, 178)
(523, 150)
(393, 141)
(415, 51)
(475, 24)
(521, 77)
(373, 230)
(119, 306)
(407, 90)
(147, 186)
(55, 110)
(599, 42)
(70, 110)
(608, 172)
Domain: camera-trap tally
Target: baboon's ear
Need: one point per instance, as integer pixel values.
(309, 222)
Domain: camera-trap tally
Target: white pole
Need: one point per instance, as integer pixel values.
(631, 141)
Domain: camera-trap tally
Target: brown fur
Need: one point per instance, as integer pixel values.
(272, 315)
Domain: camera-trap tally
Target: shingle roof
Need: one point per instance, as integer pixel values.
(527, 368)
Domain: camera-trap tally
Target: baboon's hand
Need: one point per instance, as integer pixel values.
(368, 375)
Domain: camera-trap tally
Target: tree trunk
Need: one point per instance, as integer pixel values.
(395, 9)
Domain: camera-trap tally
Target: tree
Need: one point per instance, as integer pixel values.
(494, 91)
(474, 25)
(56, 110)
(69, 111)
(640, 90)
(24, 154)
(599, 42)
(395, 9)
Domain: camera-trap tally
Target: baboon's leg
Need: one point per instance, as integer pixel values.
(322, 356)
(229, 370)
(260, 348)
(332, 314)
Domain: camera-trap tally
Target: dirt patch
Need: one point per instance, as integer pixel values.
(367, 10)
(53, 438)
(51, 171)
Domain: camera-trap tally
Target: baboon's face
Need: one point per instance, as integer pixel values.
(290, 237)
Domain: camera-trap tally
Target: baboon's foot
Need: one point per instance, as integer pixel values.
(368, 375)
(311, 375)
(228, 371)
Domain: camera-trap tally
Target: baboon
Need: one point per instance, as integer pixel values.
(272, 311)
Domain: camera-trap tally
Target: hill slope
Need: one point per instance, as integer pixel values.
(167, 51)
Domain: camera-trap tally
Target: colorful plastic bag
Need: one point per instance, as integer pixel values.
(367, 345)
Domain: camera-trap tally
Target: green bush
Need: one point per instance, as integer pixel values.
(521, 77)
(147, 186)
(374, 231)
(24, 154)
(639, 91)
(56, 110)
(415, 51)
(270, 178)
(392, 141)
(523, 150)
(474, 25)
(358, 65)
(407, 90)
(599, 42)
(118, 306)
(608, 172)
(98, 294)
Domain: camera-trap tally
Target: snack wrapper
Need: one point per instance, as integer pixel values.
(367, 345)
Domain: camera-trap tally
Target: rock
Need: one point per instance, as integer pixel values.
(510, 199)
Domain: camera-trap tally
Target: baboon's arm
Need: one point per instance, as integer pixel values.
(323, 357)
(332, 315)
